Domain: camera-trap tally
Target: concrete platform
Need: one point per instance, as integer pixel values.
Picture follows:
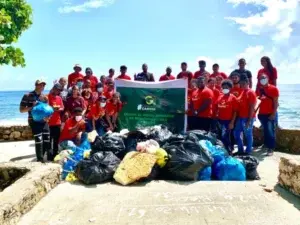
(161, 202)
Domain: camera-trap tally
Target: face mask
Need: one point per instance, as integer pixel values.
(103, 104)
(225, 91)
(99, 89)
(80, 84)
(263, 81)
(78, 118)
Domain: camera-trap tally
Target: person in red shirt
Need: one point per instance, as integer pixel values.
(211, 84)
(269, 70)
(73, 77)
(216, 72)
(202, 71)
(111, 74)
(74, 101)
(219, 81)
(109, 89)
(246, 117)
(89, 99)
(200, 108)
(185, 74)
(268, 94)
(103, 80)
(56, 102)
(226, 111)
(93, 80)
(168, 75)
(71, 134)
(112, 110)
(236, 90)
(123, 76)
(96, 117)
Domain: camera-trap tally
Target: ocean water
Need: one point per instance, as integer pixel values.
(289, 109)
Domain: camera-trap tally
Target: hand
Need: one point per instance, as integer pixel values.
(231, 125)
(43, 98)
(272, 116)
(81, 122)
(46, 119)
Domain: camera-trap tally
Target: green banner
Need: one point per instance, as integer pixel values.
(149, 104)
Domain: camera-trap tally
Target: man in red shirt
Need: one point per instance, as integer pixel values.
(185, 74)
(226, 114)
(111, 74)
(112, 110)
(73, 77)
(216, 72)
(55, 120)
(202, 71)
(211, 84)
(200, 109)
(168, 75)
(268, 94)
(71, 134)
(236, 90)
(90, 77)
(246, 117)
(123, 76)
(109, 89)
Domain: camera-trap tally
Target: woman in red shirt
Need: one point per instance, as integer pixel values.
(74, 101)
(89, 99)
(226, 111)
(269, 70)
(112, 110)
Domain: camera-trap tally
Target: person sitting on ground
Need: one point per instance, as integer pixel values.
(145, 75)
(242, 70)
(73, 77)
(40, 129)
(55, 120)
(168, 75)
(226, 112)
(202, 71)
(236, 90)
(93, 80)
(71, 134)
(123, 76)
(109, 89)
(96, 117)
(268, 94)
(74, 101)
(216, 72)
(246, 117)
(112, 110)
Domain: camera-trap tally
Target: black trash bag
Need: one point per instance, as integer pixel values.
(109, 143)
(250, 163)
(98, 169)
(187, 158)
(133, 137)
(204, 135)
(159, 133)
(154, 175)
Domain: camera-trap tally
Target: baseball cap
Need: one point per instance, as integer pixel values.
(57, 86)
(77, 66)
(40, 81)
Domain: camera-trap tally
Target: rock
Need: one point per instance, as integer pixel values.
(7, 132)
(12, 128)
(5, 137)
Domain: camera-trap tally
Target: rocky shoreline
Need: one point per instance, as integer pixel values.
(15, 133)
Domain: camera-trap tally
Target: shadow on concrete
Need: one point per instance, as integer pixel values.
(32, 145)
(288, 196)
(260, 154)
(22, 157)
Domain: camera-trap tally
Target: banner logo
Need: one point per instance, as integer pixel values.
(149, 104)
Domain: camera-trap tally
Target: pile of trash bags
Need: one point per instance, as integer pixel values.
(153, 153)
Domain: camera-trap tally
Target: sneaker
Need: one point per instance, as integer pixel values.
(270, 152)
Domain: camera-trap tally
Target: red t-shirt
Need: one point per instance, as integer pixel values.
(73, 103)
(197, 97)
(200, 74)
(93, 80)
(96, 111)
(226, 106)
(220, 74)
(108, 94)
(216, 93)
(73, 77)
(246, 98)
(272, 79)
(236, 91)
(185, 74)
(66, 134)
(193, 99)
(123, 77)
(267, 95)
(55, 102)
(166, 77)
(111, 108)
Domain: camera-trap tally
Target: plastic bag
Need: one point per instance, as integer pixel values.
(159, 133)
(230, 169)
(204, 135)
(92, 136)
(149, 146)
(187, 158)
(205, 173)
(250, 163)
(98, 169)
(40, 111)
(62, 156)
(217, 152)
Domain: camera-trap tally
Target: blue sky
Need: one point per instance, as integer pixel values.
(105, 34)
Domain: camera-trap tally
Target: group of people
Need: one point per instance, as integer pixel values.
(216, 102)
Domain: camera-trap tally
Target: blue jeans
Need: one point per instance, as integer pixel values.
(269, 130)
(99, 127)
(239, 130)
(225, 134)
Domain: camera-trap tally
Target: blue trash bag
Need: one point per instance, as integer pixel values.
(68, 166)
(230, 169)
(205, 173)
(40, 111)
(217, 152)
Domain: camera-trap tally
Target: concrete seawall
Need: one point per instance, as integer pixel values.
(15, 133)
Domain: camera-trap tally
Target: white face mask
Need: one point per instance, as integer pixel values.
(263, 81)
(225, 91)
(78, 118)
(103, 104)
(99, 89)
(79, 84)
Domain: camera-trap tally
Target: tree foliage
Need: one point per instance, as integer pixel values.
(15, 17)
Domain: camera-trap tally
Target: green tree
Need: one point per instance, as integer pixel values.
(15, 17)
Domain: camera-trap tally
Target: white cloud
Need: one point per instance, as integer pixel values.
(87, 5)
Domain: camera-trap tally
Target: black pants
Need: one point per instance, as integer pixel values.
(54, 139)
(199, 123)
(41, 135)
